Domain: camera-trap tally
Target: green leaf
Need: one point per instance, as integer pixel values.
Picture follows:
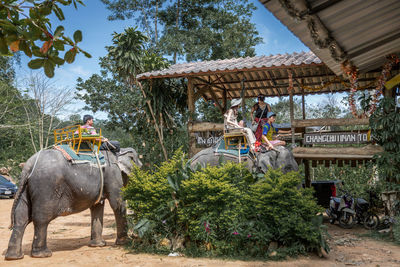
(36, 63)
(59, 13)
(3, 47)
(77, 36)
(57, 60)
(45, 11)
(142, 227)
(36, 51)
(70, 55)
(59, 45)
(86, 54)
(49, 68)
(59, 31)
(25, 47)
(173, 183)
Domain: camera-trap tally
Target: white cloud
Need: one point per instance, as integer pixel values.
(80, 71)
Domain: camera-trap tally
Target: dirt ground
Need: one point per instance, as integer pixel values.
(68, 238)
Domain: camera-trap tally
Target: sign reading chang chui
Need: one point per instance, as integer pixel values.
(335, 138)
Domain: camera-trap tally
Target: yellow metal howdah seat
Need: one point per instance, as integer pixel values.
(234, 138)
(77, 138)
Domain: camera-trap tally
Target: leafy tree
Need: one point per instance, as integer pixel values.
(148, 10)
(14, 144)
(208, 111)
(385, 126)
(327, 108)
(44, 101)
(25, 26)
(133, 106)
(194, 30)
(282, 109)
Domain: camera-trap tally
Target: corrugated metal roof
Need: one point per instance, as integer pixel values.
(234, 64)
(365, 30)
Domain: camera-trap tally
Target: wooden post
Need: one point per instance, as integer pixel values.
(290, 88)
(307, 179)
(303, 105)
(191, 107)
(225, 101)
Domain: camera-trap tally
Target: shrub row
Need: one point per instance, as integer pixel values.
(222, 211)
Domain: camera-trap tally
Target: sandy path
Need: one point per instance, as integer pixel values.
(68, 238)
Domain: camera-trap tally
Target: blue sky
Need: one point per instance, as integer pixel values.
(97, 30)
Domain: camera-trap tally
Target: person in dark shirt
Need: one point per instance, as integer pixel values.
(259, 115)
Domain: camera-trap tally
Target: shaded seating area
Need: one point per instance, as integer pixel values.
(289, 75)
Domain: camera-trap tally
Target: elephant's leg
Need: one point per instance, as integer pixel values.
(21, 220)
(97, 212)
(118, 206)
(39, 245)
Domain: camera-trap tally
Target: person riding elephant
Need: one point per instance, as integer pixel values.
(52, 186)
(88, 128)
(230, 122)
(269, 130)
(259, 115)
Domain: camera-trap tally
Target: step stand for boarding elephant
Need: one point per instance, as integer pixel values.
(52, 186)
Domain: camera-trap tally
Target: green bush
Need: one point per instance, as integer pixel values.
(222, 211)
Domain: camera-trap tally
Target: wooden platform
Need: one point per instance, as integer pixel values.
(337, 153)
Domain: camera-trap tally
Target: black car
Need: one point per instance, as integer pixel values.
(7, 188)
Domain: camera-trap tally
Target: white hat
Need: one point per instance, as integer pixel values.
(236, 102)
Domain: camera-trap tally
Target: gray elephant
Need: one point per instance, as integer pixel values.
(281, 157)
(51, 186)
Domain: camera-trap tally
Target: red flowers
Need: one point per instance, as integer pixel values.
(207, 227)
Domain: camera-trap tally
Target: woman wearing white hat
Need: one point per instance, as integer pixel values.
(230, 122)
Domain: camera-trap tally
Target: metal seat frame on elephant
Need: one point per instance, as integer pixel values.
(235, 139)
(74, 137)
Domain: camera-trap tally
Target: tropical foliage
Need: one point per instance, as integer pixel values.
(193, 30)
(25, 26)
(222, 211)
(385, 126)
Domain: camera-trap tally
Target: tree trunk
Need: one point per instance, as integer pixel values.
(154, 118)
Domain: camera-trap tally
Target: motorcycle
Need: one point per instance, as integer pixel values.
(348, 210)
(342, 210)
(364, 215)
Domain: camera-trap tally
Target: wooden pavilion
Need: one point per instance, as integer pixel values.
(221, 80)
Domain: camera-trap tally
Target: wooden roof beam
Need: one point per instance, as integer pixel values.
(215, 98)
(274, 83)
(208, 83)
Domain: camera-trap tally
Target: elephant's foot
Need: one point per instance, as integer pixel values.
(13, 255)
(97, 243)
(121, 241)
(42, 253)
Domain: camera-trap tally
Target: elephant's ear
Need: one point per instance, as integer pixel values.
(132, 155)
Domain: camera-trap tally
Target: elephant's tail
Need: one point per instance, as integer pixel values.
(20, 191)
(25, 174)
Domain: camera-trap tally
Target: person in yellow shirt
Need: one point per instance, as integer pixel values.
(269, 130)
